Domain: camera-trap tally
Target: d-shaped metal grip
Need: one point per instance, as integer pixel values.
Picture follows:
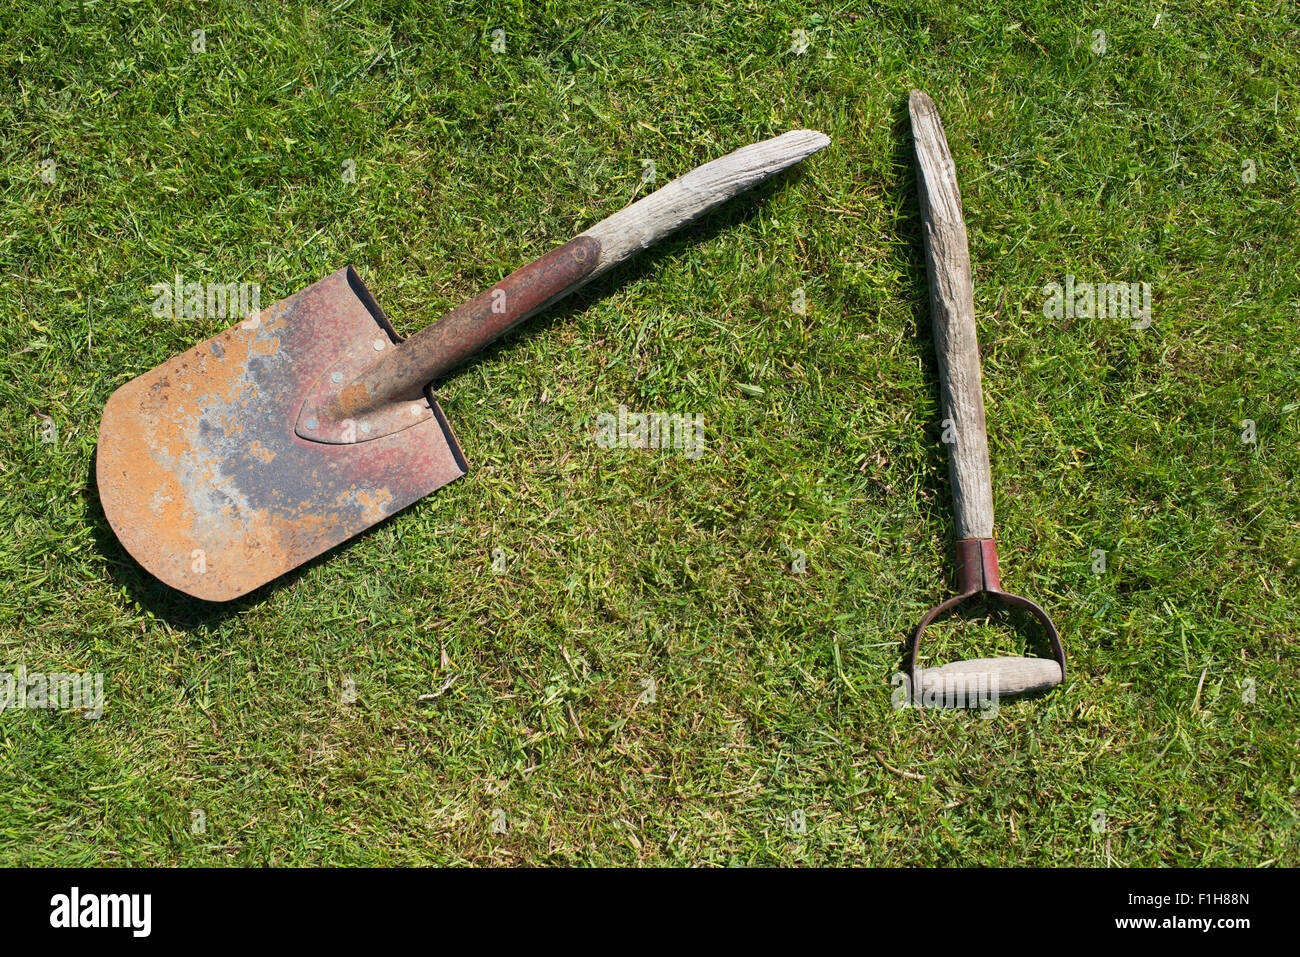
(978, 577)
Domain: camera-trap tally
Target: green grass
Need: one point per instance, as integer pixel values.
(772, 695)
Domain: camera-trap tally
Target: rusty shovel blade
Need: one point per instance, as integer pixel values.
(203, 478)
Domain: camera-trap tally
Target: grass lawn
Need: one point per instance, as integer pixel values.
(650, 678)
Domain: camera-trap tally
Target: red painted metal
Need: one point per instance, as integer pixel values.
(977, 566)
(367, 395)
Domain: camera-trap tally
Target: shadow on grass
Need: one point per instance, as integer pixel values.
(196, 614)
(903, 191)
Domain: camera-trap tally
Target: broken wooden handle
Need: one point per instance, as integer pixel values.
(992, 676)
(428, 355)
(952, 311)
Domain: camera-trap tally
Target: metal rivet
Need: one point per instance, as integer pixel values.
(312, 424)
(336, 376)
(379, 345)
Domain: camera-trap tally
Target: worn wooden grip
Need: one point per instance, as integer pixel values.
(952, 311)
(1001, 677)
(690, 196)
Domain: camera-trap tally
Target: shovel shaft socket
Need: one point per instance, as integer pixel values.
(437, 349)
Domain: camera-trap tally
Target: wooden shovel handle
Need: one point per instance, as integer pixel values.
(952, 311)
(1000, 677)
(404, 371)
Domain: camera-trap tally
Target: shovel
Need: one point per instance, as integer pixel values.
(301, 426)
(952, 311)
